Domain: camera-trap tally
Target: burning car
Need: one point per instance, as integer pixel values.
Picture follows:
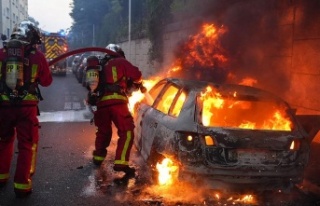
(223, 136)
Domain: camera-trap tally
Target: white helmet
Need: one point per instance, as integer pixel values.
(26, 31)
(115, 48)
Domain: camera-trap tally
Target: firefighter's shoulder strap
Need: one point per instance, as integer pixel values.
(115, 86)
(2, 80)
(31, 85)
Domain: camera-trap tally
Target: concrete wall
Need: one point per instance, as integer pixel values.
(137, 53)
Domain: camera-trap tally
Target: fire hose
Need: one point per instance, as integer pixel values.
(88, 49)
(82, 50)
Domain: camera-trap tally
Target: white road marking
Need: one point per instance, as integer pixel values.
(67, 106)
(66, 116)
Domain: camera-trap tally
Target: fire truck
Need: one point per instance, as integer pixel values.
(53, 45)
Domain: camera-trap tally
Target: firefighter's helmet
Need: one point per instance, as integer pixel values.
(26, 31)
(116, 48)
(92, 61)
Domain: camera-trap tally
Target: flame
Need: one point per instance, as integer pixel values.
(248, 81)
(244, 199)
(166, 171)
(138, 96)
(218, 111)
(278, 122)
(203, 50)
(247, 125)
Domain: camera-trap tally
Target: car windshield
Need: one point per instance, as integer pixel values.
(243, 112)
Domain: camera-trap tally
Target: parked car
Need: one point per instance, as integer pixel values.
(75, 63)
(81, 66)
(222, 136)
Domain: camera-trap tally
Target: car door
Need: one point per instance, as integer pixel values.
(145, 122)
(156, 120)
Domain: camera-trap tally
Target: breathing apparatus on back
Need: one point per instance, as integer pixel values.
(92, 70)
(23, 38)
(14, 66)
(92, 73)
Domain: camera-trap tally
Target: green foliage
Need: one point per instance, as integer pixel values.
(159, 16)
(88, 18)
(109, 21)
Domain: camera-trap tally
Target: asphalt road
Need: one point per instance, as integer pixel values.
(65, 175)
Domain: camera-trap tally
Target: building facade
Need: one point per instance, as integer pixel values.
(12, 12)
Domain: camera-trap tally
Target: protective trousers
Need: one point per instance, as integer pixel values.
(120, 115)
(23, 123)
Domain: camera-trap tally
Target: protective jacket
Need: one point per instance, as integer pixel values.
(20, 120)
(116, 75)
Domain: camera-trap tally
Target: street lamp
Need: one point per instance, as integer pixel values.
(129, 32)
(93, 36)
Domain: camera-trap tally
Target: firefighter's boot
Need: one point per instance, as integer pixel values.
(129, 171)
(98, 159)
(22, 194)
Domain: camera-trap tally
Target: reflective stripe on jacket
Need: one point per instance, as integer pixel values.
(118, 71)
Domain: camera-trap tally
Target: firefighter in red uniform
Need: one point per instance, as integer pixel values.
(23, 67)
(118, 76)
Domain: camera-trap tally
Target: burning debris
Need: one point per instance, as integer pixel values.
(166, 171)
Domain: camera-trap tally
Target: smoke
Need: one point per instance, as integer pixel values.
(254, 43)
(258, 43)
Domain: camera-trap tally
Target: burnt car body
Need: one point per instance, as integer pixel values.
(244, 137)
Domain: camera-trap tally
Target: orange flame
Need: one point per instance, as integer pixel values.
(166, 171)
(202, 49)
(248, 81)
(138, 96)
(244, 199)
(218, 111)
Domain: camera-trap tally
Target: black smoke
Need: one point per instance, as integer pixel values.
(259, 40)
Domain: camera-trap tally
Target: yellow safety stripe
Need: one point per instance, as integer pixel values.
(125, 150)
(34, 72)
(114, 74)
(114, 96)
(26, 186)
(99, 158)
(121, 162)
(4, 176)
(28, 97)
(34, 156)
(31, 97)
(4, 97)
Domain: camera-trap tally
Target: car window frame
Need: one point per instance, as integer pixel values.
(160, 95)
(162, 83)
(175, 100)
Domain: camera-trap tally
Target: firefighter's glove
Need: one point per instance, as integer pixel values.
(139, 86)
(143, 89)
(92, 99)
